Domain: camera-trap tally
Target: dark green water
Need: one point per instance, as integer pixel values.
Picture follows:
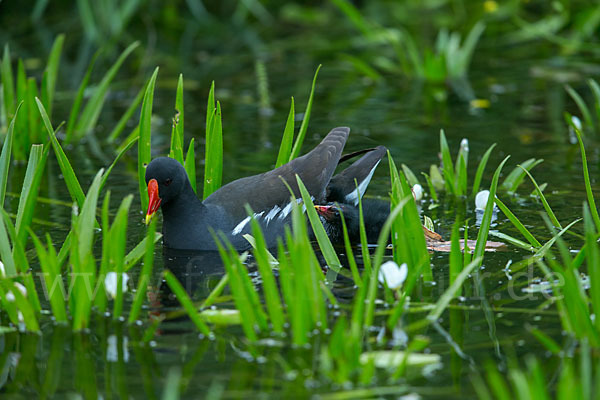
(527, 98)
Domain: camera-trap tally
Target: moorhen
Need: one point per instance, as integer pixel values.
(189, 223)
(375, 213)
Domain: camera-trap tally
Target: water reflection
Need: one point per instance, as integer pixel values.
(197, 271)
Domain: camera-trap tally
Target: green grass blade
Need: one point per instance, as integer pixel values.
(5, 156)
(139, 251)
(586, 179)
(456, 259)
(122, 123)
(468, 48)
(65, 166)
(144, 142)
(270, 290)
(21, 142)
(449, 294)
(515, 221)
(6, 254)
(8, 84)
(116, 160)
(596, 92)
(33, 120)
(190, 165)
(304, 126)
(53, 288)
(487, 216)
(285, 148)
(355, 16)
(210, 106)
(585, 112)
(29, 192)
(516, 176)
(23, 305)
(118, 238)
(410, 176)
(481, 169)
(213, 168)
(177, 131)
(545, 203)
(447, 167)
(74, 113)
(324, 243)
(593, 261)
(185, 302)
(91, 112)
(51, 73)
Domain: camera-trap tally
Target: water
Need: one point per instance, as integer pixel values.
(524, 119)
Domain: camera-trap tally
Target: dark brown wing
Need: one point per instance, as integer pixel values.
(265, 191)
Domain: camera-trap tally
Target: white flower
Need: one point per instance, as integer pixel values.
(11, 297)
(576, 121)
(481, 199)
(392, 275)
(110, 283)
(417, 192)
(464, 144)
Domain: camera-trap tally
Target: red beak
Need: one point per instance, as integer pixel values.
(154, 202)
(324, 211)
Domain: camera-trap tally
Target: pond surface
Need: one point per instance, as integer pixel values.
(524, 118)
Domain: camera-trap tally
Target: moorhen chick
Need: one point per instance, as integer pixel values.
(189, 223)
(375, 213)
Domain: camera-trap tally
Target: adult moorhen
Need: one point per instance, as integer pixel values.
(189, 223)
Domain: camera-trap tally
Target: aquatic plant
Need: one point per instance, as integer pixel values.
(447, 59)
(23, 89)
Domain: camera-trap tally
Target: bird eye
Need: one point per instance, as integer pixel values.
(168, 181)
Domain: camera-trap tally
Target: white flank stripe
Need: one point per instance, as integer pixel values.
(238, 228)
(271, 214)
(352, 197)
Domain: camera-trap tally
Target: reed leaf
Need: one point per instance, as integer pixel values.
(190, 165)
(51, 73)
(586, 179)
(481, 169)
(213, 167)
(8, 84)
(53, 283)
(91, 112)
(585, 111)
(122, 123)
(325, 245)
(29, 191)
(63, 162)
(516, 176)
(285, 148)
(304, 126)
(118, 238)
(76, 107)
(545, 203)
(518, 224)
(271, 293)
(5, 155)
(145, 274)
(144, 142)
(487, 216)
(176, 151)
(447, 165)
